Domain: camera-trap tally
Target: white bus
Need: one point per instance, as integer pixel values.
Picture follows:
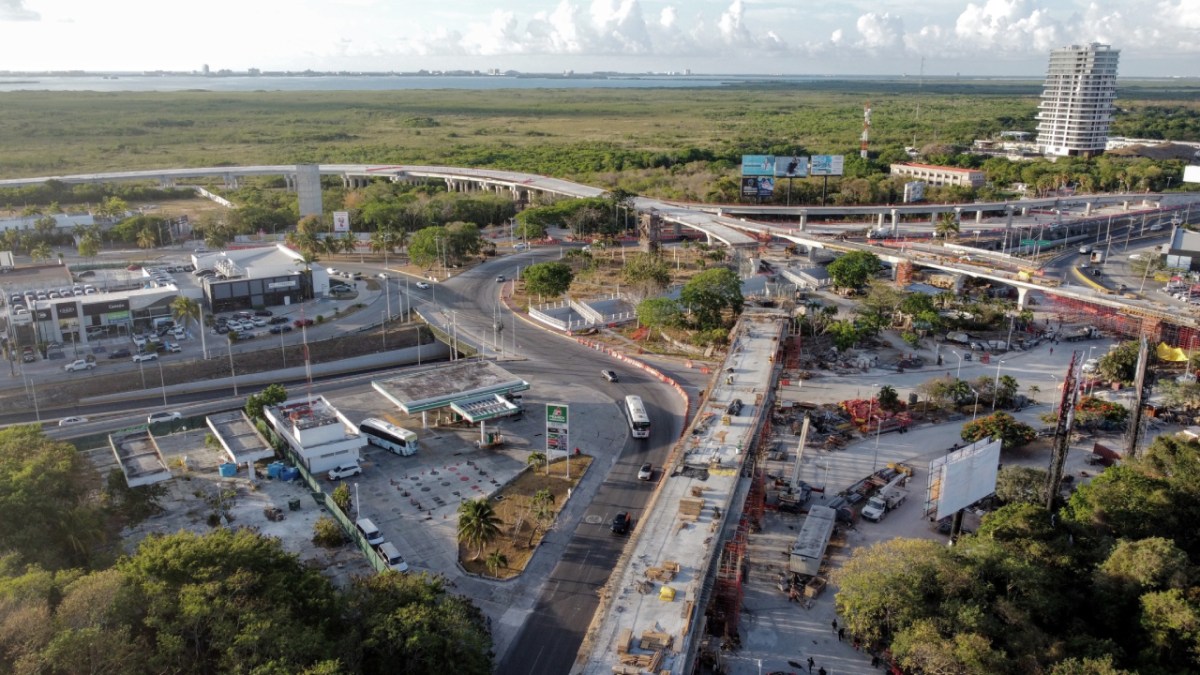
(389, 436)
(639, 421)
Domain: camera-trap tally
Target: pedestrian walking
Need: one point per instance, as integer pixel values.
(834, 625)
(810, 664)
(1052, 350)
(874, 660)
(841, 634)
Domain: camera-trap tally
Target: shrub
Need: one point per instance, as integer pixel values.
(327, 533)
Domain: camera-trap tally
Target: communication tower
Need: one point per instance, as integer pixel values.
(866, 132)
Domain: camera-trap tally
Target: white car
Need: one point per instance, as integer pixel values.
(344, 471)
(152, 356)
(157, 417)
(1135, 256)
(172, 347)
(382, 275)
(423, 285)
(78, 364)
(68, 421)
(333, 271)
(1091, 366)
(259, 321)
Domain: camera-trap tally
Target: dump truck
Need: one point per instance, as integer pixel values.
(1078, 333)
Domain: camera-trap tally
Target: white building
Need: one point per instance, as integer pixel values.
(940, 175)
(322, 436)
(1077, 101)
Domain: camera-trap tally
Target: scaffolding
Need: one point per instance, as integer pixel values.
(725, 610)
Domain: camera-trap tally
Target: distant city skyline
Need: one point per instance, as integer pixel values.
(880, 37)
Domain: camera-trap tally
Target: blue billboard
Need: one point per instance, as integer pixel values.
(791, 167)
(827, 165)
(758, 165)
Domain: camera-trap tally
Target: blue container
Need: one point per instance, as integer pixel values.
(289, 473)
(227, 470)
(274, 469)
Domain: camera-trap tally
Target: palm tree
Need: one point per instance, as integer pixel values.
(89, 245)
(495, 561)
(1033, 390)
(947, 225)
(185, 311)
(478, 524)
(41, 252)
(147, 238)
(542, 507)
(348, 243)
(536, 458)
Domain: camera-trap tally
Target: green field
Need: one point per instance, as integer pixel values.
(652, 137)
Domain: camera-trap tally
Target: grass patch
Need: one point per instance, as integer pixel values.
(519, 533)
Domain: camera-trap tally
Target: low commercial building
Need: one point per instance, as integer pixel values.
(940, 175)
(1184, 250)
(320, 435)
(259, 277)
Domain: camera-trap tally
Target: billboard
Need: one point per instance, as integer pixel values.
(791, 167)
(766, 186)
(749, 186)
(341, 221)
(963, 477)
(558, 427)
(758, 165)
(1191, 174)
(826, 165)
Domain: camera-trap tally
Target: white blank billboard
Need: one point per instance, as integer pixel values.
(1191, 174)
(964, 476)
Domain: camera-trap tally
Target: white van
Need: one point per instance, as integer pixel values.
(368, 529)
(392, 558)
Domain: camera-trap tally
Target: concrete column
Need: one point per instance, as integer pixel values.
(1024, 211)
(879, 221)
(979, 217)
(957, 214)
(895, 221)
(933, 218)
(1087, 209)
(345, 181)
(1008, 217)
(1022, 296)
(803, 220)
(958, 284)
(708, 239)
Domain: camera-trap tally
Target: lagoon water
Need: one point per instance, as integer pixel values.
(372, 82)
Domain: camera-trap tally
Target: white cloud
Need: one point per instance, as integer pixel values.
(880, 31)
(14, 10)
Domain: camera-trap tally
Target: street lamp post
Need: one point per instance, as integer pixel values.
(162, 382)
(996, 385)
(958, 373)
(975, 407)
(357, 507)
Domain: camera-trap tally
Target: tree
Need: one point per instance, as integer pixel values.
(272, 395)
(885, 588)
(646, 273)
(854, 269)
(341, 498)
(147, 238)
(1120, 364)
(89, 245)
(947, 225)
(711, 293)
(541, 505)
(659, 313)
(46, 494)
(888, 398)
(1021, 485)
(845, 334)
(41, 251)
(187, 312)
(536, 458)
(426, 245)
(1012, 433)
(495, 561)
(478, 524)
(550, 279)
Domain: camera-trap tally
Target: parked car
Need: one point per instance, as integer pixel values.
(152, 356)
(646, 472)
(78, 364)
(172, 347)
(68, 421)
(283, 328)
(620, 523)
(119, 354)
(300, 323)
(156, 418)
(263, 312)
(344, 471)
(278, 319)
(259, 321)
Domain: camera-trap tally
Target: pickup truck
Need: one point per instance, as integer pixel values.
(879, 505)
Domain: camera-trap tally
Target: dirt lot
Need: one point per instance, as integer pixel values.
(520, 534)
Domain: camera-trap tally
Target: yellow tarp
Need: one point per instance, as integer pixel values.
(667, 593)
(1167, 353)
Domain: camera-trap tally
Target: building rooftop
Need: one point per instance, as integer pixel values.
(657, 594)
(935, 167)
(138, 456)
(309, 413)
(440, 386)
(239, 438)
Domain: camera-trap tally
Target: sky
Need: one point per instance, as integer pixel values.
(767, 37)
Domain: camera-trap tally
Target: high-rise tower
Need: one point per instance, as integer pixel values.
(1077, 102)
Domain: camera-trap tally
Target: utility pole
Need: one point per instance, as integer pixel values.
(1062, 431)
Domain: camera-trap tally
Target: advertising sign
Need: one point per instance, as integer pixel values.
(66, 310)
(826, 165)
(749, 186)
(766, 186)
(341, 221)
(791, 167)
(105, 307)
(758, 165)
(558, 430)
(42, 314)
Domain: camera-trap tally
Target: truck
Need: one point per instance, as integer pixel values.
(887, 499)
(1078, 333)
(1097, 257)
(959, 338)
(1085, 249)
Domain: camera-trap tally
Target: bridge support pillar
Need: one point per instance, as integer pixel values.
(289, 182)
(231, 181)
(1008, 216)
(708, 239)
(979, 217)
(933, 218)
(1022, 297)
(166, 181)
(958, 283)
(895, 220)
(1024, 211)
(803, 220)
(879, 222)
(1087, 209)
